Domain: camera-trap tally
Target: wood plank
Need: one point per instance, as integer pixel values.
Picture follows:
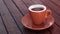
(8, 20)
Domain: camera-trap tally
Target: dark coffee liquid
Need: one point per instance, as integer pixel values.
(37, 9)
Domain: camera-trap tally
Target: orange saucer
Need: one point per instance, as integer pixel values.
(27, 22)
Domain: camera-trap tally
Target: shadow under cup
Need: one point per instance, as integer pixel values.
(37, 13)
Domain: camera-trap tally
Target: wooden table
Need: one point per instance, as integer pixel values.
(12, 11)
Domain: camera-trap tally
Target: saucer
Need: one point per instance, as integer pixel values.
(27, 22)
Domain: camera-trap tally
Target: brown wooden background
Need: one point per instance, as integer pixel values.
(12, 11)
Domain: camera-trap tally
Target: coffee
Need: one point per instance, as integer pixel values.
(37, 9)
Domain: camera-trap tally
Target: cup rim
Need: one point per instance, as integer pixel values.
(37, 6)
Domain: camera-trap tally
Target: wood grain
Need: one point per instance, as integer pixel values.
(2, 26)
(21, 6)
(8, 20)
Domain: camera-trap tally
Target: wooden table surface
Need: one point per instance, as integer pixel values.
(12, 11)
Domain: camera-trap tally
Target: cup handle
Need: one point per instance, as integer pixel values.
(48, 13)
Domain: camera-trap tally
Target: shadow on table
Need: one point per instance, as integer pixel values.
(45, 31)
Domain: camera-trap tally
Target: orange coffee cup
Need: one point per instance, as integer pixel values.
(38, 13)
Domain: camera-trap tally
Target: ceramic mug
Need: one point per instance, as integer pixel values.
(38, 13)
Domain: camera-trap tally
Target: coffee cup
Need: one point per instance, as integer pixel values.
(38, 13)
